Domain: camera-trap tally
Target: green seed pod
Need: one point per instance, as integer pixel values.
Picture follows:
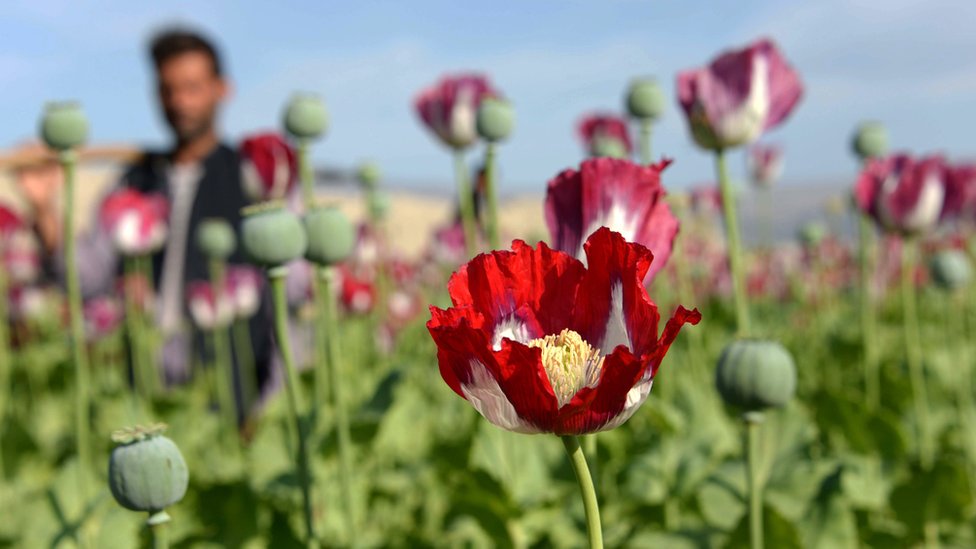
(146, 472)
(645, 99)
(812, 234)
(870, 140)
(609, 147)
(369, 175)
(496, 118)
(330, 235)
(306, 117)
(951, 270)
(271, 235)
(216, 238)
(755, 374)
(379, 205)
(64, 126)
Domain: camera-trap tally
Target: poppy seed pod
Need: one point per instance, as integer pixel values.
(305, 117)
(951, 270)
(645, 99)
(369, 175)
(330, 235)
(146, 472)
(609, 147)
(379, 204)
(870, 140)
(812, 234)
(271, 235)
(755, 374)
(216, 238)
(64, 126)
(496, 118)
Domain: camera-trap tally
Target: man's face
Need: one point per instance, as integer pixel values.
(190, 92)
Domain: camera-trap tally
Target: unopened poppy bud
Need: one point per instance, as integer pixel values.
(369, 175)
(64, 126)
(146, 472)
(330, 235)
(271, 235)
(870, 140)
(755, 374)
(496, 118)
(645, 100)
(306, 117)
(951, 270)
(812, 234)
(216, 238)
(610, 147)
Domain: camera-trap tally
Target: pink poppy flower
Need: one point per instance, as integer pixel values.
(765, 164)
(244, 283)
(605, 135)
(207, 310)
(449, 108)
(135, 221)
(269, 167)
(902, 194)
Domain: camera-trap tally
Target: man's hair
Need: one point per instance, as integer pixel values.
(174, 42)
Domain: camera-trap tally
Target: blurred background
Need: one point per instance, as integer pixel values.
(902, 62)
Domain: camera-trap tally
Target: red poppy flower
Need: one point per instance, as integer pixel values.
(902, 194)
(20, 256)
(739, 95)
(605, 135)
(538, 343)
(605, 192)
(208, 310)
(135, 221)
(960, 198)
(449, 108)
(244, 283)
(269, 168)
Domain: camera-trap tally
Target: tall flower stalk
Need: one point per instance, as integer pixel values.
(735, 258)
(872, 375)
(223, 361)
(465, 203)
(913, 351)
(591, 507)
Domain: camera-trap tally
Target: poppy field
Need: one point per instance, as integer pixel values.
(641, 376)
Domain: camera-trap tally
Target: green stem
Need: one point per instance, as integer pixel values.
(872, 380)
(306, 173)
(590, 505)
(753, 482)
(5, 371)
(245, 361)
(734, 245)
(913, 350)
(466, 203)
(224, 368)
(133, 328)
(149, 342)
(331, 324)
(78, 352)
(277, 277)
(491, 195)
(321, 370)
(646, 127)
(158, 529)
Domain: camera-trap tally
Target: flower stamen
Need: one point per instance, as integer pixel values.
(570, 362)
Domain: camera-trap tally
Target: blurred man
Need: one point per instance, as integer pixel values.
(199, 175)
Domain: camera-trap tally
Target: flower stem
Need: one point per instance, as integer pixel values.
(491, 195)
(331, 325)
(872, 381)
(5, 373)
(913, 350)
(78, 352)
(466, 203)
(646, 127)
(734, 245)
(306, 173)
(245, 361)
(149, 341)
(590, 505)
(158, 523)
(279, 296)
(133, 328)
(321, 372)
(222, 358)
(754, 486)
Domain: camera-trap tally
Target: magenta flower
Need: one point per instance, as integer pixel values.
(269, 169)
(739, 95)
(765, 164)
(449, 108)
(20, 256)
(135, 221)
(605, 134)
(209, 311)
(902, 194)
(102, 316)
(244, 284)
(961, 191)
(605, 192)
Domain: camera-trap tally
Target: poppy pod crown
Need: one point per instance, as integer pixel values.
(538, 343)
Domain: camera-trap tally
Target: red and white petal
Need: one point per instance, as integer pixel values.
(483, 392)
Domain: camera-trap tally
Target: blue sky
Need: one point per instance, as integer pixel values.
(910, 64)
